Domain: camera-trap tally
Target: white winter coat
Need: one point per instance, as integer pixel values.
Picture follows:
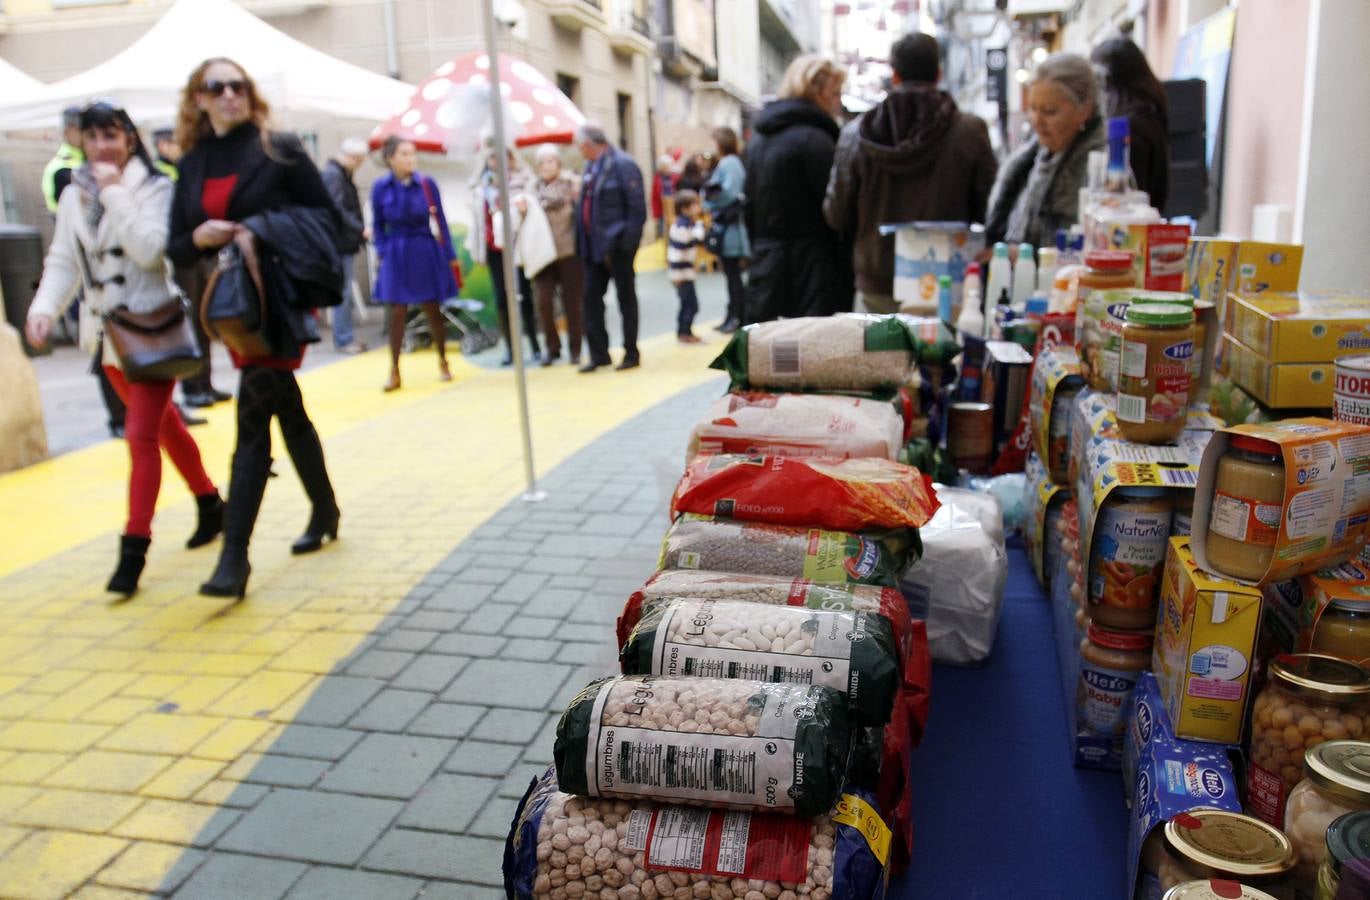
(135, 222)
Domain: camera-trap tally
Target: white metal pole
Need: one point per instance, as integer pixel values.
(531, 493)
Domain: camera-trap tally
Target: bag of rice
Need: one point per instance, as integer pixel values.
(561, 845)
(841, 494)
(852, 351)
(850, 652)
(910, 637)
(709, 741)
(837, 557)
(798, 425)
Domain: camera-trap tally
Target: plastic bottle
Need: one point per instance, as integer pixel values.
(1024, 277)
(1000, 279)
(944, 299)
(1046, 268)
(972, 319)
(1118, 177)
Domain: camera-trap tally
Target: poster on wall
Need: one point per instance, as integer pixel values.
(1205, 51)
(694, 29)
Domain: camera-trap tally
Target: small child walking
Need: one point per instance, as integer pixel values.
(683, 239)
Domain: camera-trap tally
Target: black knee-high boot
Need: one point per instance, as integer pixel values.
(257, 399)
(306, 452)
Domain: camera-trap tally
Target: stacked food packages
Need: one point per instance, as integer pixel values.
(1209, 581)
(774, 681)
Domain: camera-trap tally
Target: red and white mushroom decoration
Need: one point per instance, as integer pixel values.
(450, 110)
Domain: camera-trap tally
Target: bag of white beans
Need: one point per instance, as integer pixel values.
(798, 425)
(836, 557)
(562, 846)
(853, 351)
(849, 651)
(708, 741)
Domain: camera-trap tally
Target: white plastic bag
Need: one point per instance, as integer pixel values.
(958, 585)
(798, 425)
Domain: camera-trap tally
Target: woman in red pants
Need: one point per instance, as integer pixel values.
(111, 238)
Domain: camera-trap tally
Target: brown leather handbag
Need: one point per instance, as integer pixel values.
(154, 346)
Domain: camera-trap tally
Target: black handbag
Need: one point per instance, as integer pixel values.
(234, 307)
(158, 345)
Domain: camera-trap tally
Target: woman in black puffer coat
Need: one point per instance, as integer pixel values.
(798, 267)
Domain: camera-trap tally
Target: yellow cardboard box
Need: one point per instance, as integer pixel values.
(1279, 385)
(1300, 327)
(1205, 638)
(1262, 267)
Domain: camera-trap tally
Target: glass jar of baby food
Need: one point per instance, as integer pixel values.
(1248, 501)
(1105, 269)
(1336, 782)
(1343, 630)
(1308, 700)
(1058, 430)
(1153, 374)
(1348, 840)
(1183, 522)
(1128, 555)
(1214, 843)
(1111, 661)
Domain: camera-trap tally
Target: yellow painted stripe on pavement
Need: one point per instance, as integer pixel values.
(142, 716)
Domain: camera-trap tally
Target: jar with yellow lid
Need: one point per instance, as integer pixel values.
(1213, 843)
(1336, 782)
(1215, 889)
(1248, 504)
(1348, 849)
(1343, 630)
(1153, 374)
(1308, 700)
(1111, 661)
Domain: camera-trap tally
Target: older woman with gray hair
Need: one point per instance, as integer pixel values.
(1038, 188)
(555, 191)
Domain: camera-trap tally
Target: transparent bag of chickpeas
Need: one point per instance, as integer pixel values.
(1309, 699)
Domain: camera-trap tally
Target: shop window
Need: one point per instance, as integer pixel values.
(625, 122)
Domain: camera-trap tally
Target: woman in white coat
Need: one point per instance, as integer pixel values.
(111, 239)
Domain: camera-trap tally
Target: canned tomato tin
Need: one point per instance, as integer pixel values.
(970, 436)
(1351, 390)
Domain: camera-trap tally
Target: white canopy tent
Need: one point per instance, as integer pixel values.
(147, 77)
(14, 82)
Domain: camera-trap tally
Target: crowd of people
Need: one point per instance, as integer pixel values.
(793, 219)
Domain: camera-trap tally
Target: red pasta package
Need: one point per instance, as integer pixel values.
(820, 492)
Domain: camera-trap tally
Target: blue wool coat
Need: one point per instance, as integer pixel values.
(618, 207)
(414, 268)
(723, 189)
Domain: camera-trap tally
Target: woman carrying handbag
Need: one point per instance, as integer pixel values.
(236, 168)
(417, 262)
(111, 237)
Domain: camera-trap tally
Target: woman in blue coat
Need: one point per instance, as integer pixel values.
(415, 264)
(723, 197)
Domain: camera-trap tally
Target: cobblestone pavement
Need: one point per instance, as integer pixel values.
(362, 725)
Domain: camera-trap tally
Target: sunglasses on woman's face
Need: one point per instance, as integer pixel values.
(217, 88)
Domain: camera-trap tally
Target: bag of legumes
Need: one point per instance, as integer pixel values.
(558, 840)
(799, 425)
(853, 351)
(850, 652)
(821, 492)
(721, 544)
(910, 636)
(707, 741)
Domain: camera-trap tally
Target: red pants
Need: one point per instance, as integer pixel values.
(153, 425)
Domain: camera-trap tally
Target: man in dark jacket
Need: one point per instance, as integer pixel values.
(610, 215)
(798, 265)
(914, 157)
(337, 177)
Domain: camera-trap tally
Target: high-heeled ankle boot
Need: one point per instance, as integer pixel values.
(211, 520)
(132, 558)
(230, 575)
(322, 522)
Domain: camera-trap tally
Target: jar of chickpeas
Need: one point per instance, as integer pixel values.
(1308, 699)
(1336, 782)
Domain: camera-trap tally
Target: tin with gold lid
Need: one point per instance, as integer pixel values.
(1215, 889)
(1214, 843)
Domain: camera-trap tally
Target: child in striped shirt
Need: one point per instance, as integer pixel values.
(686, 234)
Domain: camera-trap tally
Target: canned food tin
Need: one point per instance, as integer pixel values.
(1351, 390)
(970, 436)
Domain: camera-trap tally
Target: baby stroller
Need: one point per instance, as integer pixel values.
(459, 316)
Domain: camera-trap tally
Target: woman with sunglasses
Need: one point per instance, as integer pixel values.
(235, 167)
(111, 239)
